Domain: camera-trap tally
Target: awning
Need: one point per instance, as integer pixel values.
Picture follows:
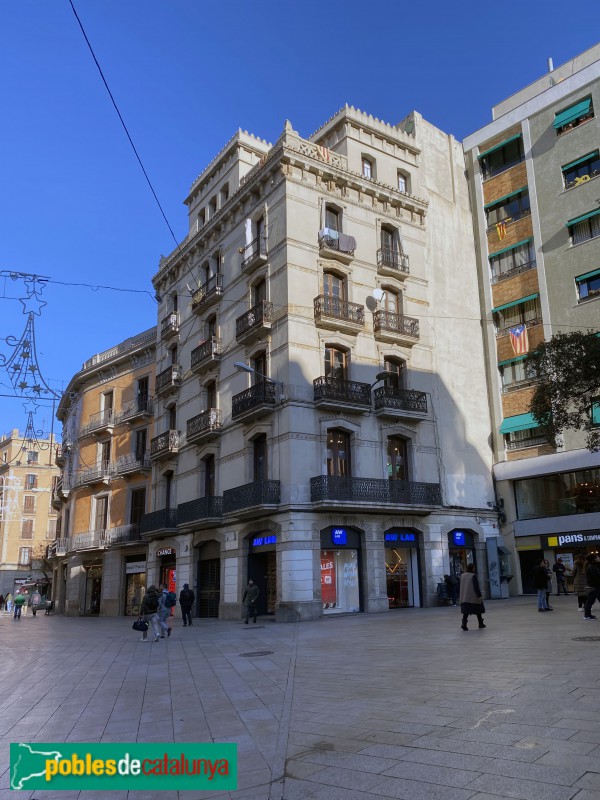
(515, 302)
(511, 360)
(582, 217)
(518, 423)
(572, 113)
(505, 197)
(510, 247)
(580, 160)
(591, 274)
(498, 146)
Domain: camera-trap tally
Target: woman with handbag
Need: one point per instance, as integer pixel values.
(471, 599)
(148, 611)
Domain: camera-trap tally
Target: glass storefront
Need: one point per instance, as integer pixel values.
(461, 550)
(558, 495)
(262, 569)
(135, 589)
(402, 568)
(340, 571)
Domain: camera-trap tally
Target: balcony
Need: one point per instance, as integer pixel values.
(124, 534)
(169, 326)
(169, 380)
(392, 263)
(61, 491)
(203, 509)
(342, 395)
(102, 472)
(101, 422)
(255, 322)
(61, 452)
(338, 315)
(208, 294)
(400, 403)
(333, 244)
(395, 328)
(257, 495)
(133, 463)
(206, 354)
(502, 276)
(137, 409)
(59, 547)
(163, 520)
(204, 427)
(164, 446)
(254, 402)
(530, 441)
(254, 255)
(91, 540)
(333, 491)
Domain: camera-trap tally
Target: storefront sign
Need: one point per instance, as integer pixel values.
(338, 536)
(458, 538)
(401, 536)
(135, 566)
(261, 541)
(593, 537)
(166, 551)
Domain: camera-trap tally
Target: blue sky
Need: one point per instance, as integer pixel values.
(74, 205)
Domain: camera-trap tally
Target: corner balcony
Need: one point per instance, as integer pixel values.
(333, 244)
(91, 540)
(254, 255)
(395, 328)
(208, 294)
(163, 520)
(400, 403)
(257, 496)
(133, 463)
(254, 323)
(332, 491)
(137, 409)
(342, 395)
(338, 315)
(392, 263)
(164, 446)
(169, 326)
(100, 423)
(124, 534)
(206, 355)
(59, 547)
(169, 380)
(60, 454)
(102, 472)
(203, 509)
(64, 484)
(204, 427)
(254, 402)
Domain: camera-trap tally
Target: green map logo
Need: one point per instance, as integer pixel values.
(81, 766)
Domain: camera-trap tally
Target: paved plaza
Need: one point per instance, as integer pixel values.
(398, 705)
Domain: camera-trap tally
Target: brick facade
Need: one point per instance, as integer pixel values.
(506, 182)
(515, 232)
(514, 288)
(517, 402)
(535, 335)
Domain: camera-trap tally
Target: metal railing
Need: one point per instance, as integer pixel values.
(374, 490)
(166, 443)
(205, 422)
(132, 343)
(255, 251)
(123, 534)
(524, 212)
(90, 540)
(170, 324)
(530, 441)
(327, 306)
(395, 323)
(133, 462)
(61, 546)
(206, 351)
(262, 393)
(251, 494)
(209, 290)
(137, 407)
(502, 276)
(340, 243)
(259, 315)
(164, 519)
(101, 419)
(101, 471)
(169, 378)
(342, 391)
(530, 323)
(400, 399)
(392, 259)
(490, 173)
(199, 509)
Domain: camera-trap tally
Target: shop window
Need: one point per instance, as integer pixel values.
(513, 260)
(338, 453)
(502, 157)
(336, 363)
(397, 459)
(581, 170)
(573, 116)
(588, 286)
(340, 581)
(560, 494)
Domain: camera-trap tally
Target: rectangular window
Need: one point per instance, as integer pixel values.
(29, 504)
(573, 116)
(586, 229)
(582, 170)
(27, 529)
(31, 482)
(32, 457)
(502, 157)
(141, 443)
(508, 209)
(51, 529)
(367, 169)
(138, 506)
(529, 437)
(560, 494)
(518, 314)
(516, 374)
(101, 517)
(588, 286)
(24, 556)
(595, 412)
(512, 261)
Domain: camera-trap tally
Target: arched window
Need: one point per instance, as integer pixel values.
(338, 453)
(397, 459)
(336, 363)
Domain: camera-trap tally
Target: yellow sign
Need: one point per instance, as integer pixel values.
(553, 541)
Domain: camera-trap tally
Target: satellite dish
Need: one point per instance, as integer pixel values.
(378, 294)
(371, 303)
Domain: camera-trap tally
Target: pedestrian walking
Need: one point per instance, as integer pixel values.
(579, 582)
(452, 584)
(560, 570)
(165, 605)
(250, 597)
(186, 601)
(9, 602)
(20, 601)
(1, 602)
(149, 610)
(470, 598)
(548, 581)
(540, 582)
(592, 582)
(34, 601)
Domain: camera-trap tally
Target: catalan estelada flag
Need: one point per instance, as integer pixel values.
(519, 340)
(501, 230)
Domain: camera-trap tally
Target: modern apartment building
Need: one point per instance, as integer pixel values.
(27, 517)
(103, 491)
(532, 175)
(321, 413)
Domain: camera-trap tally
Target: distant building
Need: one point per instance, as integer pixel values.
(103, 491)
(532, 174)
(27, 518)
(321, 411)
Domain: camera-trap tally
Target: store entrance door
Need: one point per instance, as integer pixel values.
(262, 569)
(529, 559)
(209, 587)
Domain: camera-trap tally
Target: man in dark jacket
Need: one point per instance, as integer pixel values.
(249, 598)
(540, 582)
(186, 601)
(149, 610)
(592, 582)
(560, 571)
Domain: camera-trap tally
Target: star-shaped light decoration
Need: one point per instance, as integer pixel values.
(23, 385)
(31, 406)
(32, 305)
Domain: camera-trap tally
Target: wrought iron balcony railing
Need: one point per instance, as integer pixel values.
(164, 519)
(502, 276)
(256, 318)
(373, 490)
(389, 258)
(396, 323)
(99, 421)
(200, 509)
(102, 471)
(133, 462)
(400, 399)
(90, 540)
(211, 290)
(169, 378)
(169, 326)
(139, 407)
(334, 240)
(530, 441)
(254, 253)
(61, 546)
(205, 353)
(204, 424)
(342, 391)
(261, 394)
(166, 444)
(123, 534)
(327, 306)
(259, 493)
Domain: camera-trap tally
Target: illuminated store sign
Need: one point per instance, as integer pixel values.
(338, 536)
(458, 538)
(166, 551)
(260, 541)
(401, 536)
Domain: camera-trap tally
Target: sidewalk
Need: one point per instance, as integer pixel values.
(399, 705)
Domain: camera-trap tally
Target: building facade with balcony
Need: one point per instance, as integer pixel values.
(328, 433)
(103, 491)
(532, 175)
(28, 517)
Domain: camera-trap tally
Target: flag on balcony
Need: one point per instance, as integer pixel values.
(519, 340)
(323, 152)
(501, 230)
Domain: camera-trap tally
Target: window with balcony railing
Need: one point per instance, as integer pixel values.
(516, 374)
(502, 156)
(508, 209)
(586, 227)
(512, 260)
(522, 312)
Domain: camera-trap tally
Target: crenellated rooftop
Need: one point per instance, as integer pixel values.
(370, 122)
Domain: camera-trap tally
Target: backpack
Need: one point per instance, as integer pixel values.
(170, 600)
(151, 602)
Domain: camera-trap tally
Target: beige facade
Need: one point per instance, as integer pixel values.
(27, 518)
(321, 415)
(103, 491)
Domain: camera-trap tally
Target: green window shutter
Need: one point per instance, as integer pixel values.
(583, 217)
(591, 274)
(510, 247)
(520, 422)
(572, 113)
(515, 302)
(511, 360)
(498, 146)
(596, 412)
(581, 160)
